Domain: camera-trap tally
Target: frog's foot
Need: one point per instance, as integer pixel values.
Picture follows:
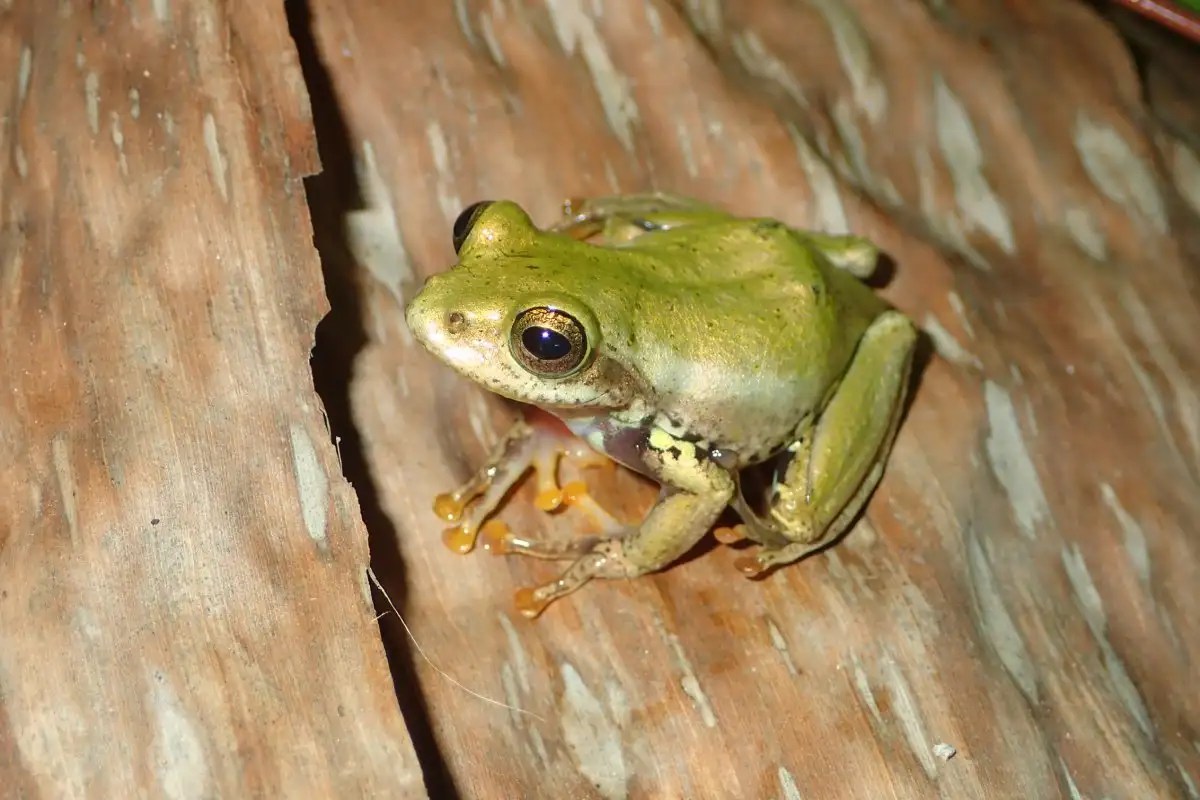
(544, 448)
(781, 541)
(768, 558)
(753, 526)
(605, 558)
(470, 504)
(522, 448)
(731, 534)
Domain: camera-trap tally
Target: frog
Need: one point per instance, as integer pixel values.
(686, 343)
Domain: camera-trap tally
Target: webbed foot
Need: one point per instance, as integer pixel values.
(540, 444)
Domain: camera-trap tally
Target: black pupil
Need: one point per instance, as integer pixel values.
(544, 343)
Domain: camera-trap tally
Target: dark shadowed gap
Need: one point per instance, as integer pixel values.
(340, 337)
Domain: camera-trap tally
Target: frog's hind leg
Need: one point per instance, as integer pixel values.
(834, 471)
(622, 218)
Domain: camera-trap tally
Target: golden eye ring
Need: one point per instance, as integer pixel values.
(548, 342)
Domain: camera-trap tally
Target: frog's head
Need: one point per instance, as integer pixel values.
(516, 316)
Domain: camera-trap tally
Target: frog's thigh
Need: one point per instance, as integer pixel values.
(850, 442)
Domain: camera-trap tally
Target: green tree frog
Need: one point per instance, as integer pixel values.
(686, 344)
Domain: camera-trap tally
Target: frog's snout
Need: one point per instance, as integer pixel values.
(455, 334)
(430, 323)
(436, 327)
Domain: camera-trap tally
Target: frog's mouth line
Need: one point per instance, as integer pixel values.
(585, 408)
(589, 408)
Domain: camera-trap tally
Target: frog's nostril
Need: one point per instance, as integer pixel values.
(455, 322)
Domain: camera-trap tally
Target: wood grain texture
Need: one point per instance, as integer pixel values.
(1021, 586)
(183, 601)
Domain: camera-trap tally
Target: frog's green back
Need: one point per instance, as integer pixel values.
(757, 286)
(736, 317)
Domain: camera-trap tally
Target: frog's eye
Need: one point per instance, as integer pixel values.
(465, 221)
(548, 342)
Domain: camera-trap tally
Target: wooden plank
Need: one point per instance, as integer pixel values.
(1021, 586)
(184, 609)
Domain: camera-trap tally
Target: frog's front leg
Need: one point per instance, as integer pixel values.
(695, 491)
(834, 470)
(523, 447)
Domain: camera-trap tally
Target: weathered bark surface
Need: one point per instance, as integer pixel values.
(183, 601)
(1022, 586)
